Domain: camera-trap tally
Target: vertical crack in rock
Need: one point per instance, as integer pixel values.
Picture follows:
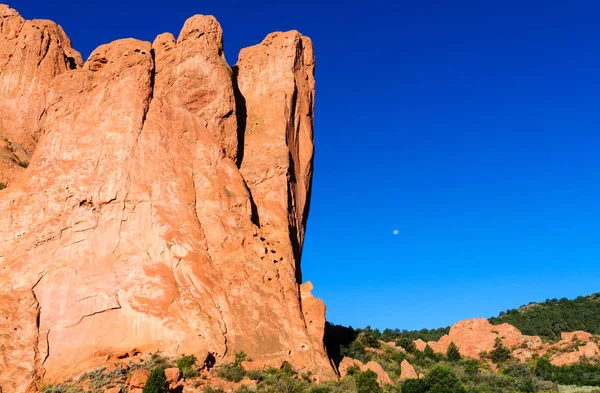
(152, 87)
(241, 114)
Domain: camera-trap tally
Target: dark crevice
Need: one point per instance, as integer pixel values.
(255, 218)
(241, 114)
(293, 225)
(70, 62)
(152, 82)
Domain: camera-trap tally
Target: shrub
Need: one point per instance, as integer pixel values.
(2, 186)
(500, 353)
(366, 382)
(406, 343)
(441, 379)
(414, 386)
(453, 354)
(208, 389)
(186, 365)
(471, 367)
(23, 164)
(240, 357)
(255, 375)
(157, 382)
(231, 372)
(428, 352)
(62, 388)
(369, 337)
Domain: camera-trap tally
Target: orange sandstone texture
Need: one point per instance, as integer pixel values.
(32, 54)
(165, 203)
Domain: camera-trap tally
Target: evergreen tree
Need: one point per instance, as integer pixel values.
(157, 382)
(453, 354)
(366, 382)
(428, 352)
(441, 379)
(406, 343)
(500, 354)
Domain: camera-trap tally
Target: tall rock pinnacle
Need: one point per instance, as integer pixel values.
(164, 205)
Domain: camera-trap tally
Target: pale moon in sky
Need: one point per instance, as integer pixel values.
(396, 232)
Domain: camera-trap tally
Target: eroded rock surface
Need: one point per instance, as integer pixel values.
(164, 206)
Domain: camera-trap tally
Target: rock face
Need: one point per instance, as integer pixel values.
(165, 203)
(407, 371)
(32, 54)
(348, 363)
(473, 336)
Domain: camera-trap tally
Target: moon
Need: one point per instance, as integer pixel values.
(396, 232)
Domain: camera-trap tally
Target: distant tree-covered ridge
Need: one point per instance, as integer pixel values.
(552, 317)
(547, 320)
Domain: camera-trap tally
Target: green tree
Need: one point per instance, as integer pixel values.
(369, 337)
(157, 382)
(240, 357)
(500, 353)
(441, 379)
(414, 386)
(453, 354)
(186, 365)
(428, 352)
(406, 343)
(366, 382)
(543, 368)
(471, 368)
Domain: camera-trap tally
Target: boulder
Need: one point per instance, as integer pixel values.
(138, 378)
(407, 371)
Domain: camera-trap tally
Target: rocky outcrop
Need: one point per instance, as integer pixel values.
(476, 336)
(407, 371)
(32, 54)
(348, 363)
(164, 207)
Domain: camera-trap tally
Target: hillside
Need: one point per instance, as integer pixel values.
(552, 317)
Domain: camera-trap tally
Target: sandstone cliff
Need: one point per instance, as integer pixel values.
(164, 205)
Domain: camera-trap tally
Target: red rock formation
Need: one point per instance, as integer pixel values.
(161, 209)
(473, 336)
(32, 54)
(348, 363)
(407, 371)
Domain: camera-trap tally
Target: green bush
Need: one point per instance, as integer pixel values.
(414, 386)
(406, 343)
(255, 375)
(471, 367)
(186, 365)
(366, 382)
(500, 353)
(441, 379)
(2, 186)
(240, 357)
(157, 382)
(231, 372)
(453, 354)
(428, 352)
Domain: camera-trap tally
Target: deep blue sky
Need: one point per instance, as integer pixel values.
(471, 127)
